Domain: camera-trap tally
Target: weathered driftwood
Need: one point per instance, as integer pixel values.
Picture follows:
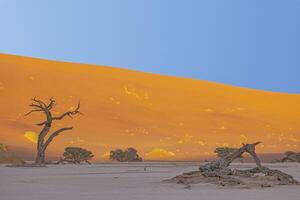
(218, 172)
(224, 162)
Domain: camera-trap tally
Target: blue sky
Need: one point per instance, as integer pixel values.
(249, 43)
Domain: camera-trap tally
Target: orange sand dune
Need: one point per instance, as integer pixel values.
(163, 117)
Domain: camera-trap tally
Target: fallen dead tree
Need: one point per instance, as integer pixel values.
(219, 173)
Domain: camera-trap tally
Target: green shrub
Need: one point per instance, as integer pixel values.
(76, 155)
(129, 155)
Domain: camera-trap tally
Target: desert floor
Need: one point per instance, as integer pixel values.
(127, 181)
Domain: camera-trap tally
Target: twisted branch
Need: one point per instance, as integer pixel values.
(46, 108)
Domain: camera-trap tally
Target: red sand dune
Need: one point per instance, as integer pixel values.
(163, 117)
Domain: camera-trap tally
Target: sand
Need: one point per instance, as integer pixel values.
(163, 117)
(128, 182)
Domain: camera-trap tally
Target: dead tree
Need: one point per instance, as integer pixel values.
(218, 172)
(44, 138)
(224, 162)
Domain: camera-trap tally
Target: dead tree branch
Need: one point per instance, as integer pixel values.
(42, 143)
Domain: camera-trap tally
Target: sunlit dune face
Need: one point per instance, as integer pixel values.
(31, 136)
(105, 156)
(1, 86)
(166, 118)
(159, 153)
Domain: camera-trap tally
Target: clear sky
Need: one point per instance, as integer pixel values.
(249, 43)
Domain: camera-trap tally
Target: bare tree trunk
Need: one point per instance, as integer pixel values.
(224, 162)
(40, 157)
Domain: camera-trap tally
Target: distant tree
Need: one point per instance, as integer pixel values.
(76, 155)
(289, 153)
(43, 139)
(132, 155)
(3, 148)
(129, 155)
(224, 151)
(117, 155)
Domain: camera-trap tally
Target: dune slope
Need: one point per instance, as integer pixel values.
(163, 117)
